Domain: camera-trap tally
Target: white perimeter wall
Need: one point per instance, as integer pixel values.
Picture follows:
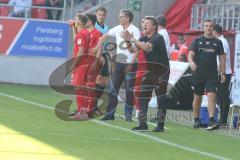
(28, 70)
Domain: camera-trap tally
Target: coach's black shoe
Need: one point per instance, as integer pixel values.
(140, 128)
(97, 112)
(197, 124)
(158, 129)
(212, 126)
(107, 117)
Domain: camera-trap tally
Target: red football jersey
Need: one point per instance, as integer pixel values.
(94, 37)
(82, 39)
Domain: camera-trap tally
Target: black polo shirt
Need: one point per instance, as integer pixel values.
(158, 54)
(206, 52)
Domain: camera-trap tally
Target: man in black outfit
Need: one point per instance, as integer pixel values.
(203, 62)
(157, 74)
(223, 94)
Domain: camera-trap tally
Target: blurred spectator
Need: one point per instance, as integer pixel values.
(183, 49)
(80, 1)
(181, 41)
(179, 50)
(182, 58)
(93, 2)
(21, 8)
(54, 3)
(162, 22)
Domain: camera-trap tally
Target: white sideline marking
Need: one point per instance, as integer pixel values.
(77, 136)
(156, 139)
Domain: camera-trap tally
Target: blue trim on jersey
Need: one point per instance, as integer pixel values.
(102, 30)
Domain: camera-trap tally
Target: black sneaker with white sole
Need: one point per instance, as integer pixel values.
(140, 128)
(107, 118)
(212, 126)
(197, 124)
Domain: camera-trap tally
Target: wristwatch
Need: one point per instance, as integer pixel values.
(132, 39)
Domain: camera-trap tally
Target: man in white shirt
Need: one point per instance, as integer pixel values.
(162, 22)
(223, 88)
(123, 65)
(21, 8)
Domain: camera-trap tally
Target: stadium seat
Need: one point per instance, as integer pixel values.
(4, 1)
(4, 11)
(39, 13)
(174, 55)
(39, 2)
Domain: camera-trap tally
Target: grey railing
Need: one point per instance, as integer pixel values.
(28, 9)
(70, 7)
(226, 14)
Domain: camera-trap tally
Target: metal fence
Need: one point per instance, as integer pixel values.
(228, 15)
(29, 10)
(67, 10)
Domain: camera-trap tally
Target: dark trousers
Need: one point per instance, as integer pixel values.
(119, 75)
(155, 80)
(223, 98)
(49, 11)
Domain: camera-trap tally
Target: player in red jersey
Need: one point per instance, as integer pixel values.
(95, 63)
(142, 67)
(79, 67)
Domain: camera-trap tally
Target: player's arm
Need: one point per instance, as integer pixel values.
(135, 56)
(74, 31)
(77, 58)
(100, 43)
(142, 45)
(191, 57)
(222, 61)
(99, 55)
(222, 64)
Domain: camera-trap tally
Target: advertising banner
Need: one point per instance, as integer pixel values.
(34, 38)
(235, 92)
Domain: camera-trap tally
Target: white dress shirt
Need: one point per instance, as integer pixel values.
(166, 38)
(226, 48)
(123, 55)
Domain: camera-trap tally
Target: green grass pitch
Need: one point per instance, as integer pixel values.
(29, 131)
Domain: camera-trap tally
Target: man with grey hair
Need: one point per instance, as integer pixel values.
(123, 65)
